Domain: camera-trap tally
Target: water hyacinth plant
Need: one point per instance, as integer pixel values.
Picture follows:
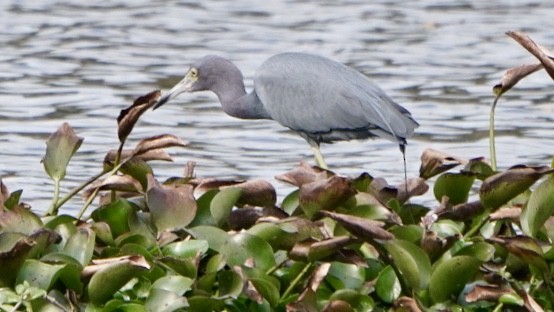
(333, 244)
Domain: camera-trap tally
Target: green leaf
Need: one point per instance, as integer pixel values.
(223, 202)
(455, 186)
(450, 277)
(161, 300)
(539, 208)
(291, 202)
(138, 169)
(215, 237)
(185, 267)
(177, 284)
(351, 276)
(240, 248)
(60, 147)
(479, 250)
(267, 289)
(112, 277)
(388, 287)
(230, 284)
(412, 262)
(116, 215)
(39, 274)
(80, 245)
(186, 249)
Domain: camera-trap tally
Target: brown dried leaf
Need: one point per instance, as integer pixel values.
(486, 292)
(406, 304)
(416, 187)
(324, 194)
(121, 183)
(318, 275)
(304, 173)
(128, 117)
(506, 213)
(258, 193)
(539, 52)
(157, 154)
(4, 193)
(365, 229)
(171, 207)
(513, 75)
(312, 250)
(434, 162)
(462, 212)
(158, 142)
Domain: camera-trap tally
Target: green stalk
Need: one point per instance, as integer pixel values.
(55, 199)
(88, 202)
(491, 135)
(296, 280)
(113, 194)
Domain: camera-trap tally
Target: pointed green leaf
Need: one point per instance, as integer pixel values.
(267, 289)
(539, 208)
(450, 277)
(60, 147)
(388, 287)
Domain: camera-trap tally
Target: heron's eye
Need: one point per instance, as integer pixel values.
(194, 73)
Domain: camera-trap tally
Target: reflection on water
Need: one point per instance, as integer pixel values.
(82, 63)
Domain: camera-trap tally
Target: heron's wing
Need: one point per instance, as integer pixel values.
(316, 95)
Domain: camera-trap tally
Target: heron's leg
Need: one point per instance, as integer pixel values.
(318, 156)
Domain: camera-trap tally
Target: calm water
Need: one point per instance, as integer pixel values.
(82, 63)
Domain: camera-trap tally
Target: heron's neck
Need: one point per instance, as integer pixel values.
(237, 103)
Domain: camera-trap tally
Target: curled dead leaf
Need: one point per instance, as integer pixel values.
(434, 162)
(304, 173)
(513, 75)
(157, 154)
(158, 142)
(121, 183)
(324, 194)
(539, 52)
(365, 229)
(506, 213)
(486, 292)
(128, 117)
(258, 193)
(406, 304)
(415, 187)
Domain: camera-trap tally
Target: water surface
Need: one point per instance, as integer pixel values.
(82, 63)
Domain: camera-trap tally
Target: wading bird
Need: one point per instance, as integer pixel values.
(321, 100)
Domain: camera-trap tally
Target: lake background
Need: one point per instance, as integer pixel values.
(82, 62)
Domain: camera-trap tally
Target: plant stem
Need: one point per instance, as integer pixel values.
(474, 230)
(72, 193)
(88, 202)
(116, 163)
(55, 199)
(491, 135)
(296, 280)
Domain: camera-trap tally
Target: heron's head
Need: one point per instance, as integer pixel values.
(209, 73)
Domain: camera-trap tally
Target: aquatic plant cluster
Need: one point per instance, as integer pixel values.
(334, 244)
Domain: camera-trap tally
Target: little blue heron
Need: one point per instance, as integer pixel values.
(320, 99)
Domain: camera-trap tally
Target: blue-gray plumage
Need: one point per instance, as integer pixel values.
(322, 100)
